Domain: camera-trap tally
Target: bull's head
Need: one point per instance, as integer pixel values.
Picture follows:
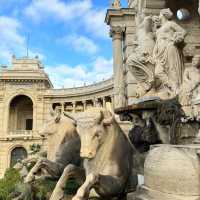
(93, 132)
(54, 123)
(50, 126)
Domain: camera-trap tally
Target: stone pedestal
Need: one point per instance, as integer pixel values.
(171, 173)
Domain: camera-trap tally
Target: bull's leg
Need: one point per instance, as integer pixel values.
(70, 171)
(104, 186)
(51, 167)
(84, 191)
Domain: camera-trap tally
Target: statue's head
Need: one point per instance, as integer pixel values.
(92, 127)
(166, 13)
(196, 61)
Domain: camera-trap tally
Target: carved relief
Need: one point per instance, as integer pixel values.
(140, 61)
(188, 96)
(158, 66)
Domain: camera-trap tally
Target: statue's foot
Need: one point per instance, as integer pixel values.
(58, 194)
(30, 178)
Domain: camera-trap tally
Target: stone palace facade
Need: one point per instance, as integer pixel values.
(26, 98)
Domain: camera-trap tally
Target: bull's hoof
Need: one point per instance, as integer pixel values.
(29, 179)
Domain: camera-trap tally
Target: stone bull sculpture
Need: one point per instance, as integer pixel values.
(63, 147)
(107, 157)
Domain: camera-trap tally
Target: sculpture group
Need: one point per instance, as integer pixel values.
(92, 148)
(157, 62)
(96, 163)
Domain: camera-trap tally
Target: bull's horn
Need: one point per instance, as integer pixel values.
(52, 112)
(100, 118)
(70, 117)
(109, 120)
(58, 117)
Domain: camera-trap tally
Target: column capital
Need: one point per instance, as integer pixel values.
(116, 32)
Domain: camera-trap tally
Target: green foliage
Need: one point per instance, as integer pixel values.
(40, 189)
(8, 183)
(43, 188)
(35, 148)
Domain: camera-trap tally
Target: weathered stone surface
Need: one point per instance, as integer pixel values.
(171, 172)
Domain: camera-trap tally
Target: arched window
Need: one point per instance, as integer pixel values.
(21, 114)
(18, 153)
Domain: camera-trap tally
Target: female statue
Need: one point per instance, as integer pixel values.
(169, 65)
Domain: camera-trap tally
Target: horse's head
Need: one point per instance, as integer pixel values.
(92, 126)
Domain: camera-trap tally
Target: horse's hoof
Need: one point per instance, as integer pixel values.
(29, 179)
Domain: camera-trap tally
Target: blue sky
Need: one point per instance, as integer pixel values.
(69, 36)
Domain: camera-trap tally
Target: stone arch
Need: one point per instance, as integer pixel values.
(17, 153)
(28, 123)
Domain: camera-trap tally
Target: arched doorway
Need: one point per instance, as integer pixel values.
(20, 114)
(18, 153)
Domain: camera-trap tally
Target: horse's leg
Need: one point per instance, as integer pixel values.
(51, 167)
(104, 186)
(70, 171)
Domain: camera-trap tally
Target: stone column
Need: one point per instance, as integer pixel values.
(112, 102)
(63, 107)
(104, 102)
(118, 68)
(74, 106)
(199, 8)
(84, 105)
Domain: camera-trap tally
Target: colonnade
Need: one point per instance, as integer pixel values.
(82, 105)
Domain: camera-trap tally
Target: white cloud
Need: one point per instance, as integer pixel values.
(94, 22)
(11, 40)
(39, 9)
(67, 76)
(10, 37)
(80, 12)
(80, 44)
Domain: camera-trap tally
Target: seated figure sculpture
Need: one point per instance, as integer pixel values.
(189, 88)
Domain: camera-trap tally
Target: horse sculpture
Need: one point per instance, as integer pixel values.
(63, 147)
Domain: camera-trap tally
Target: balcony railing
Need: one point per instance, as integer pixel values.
(21, 133)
